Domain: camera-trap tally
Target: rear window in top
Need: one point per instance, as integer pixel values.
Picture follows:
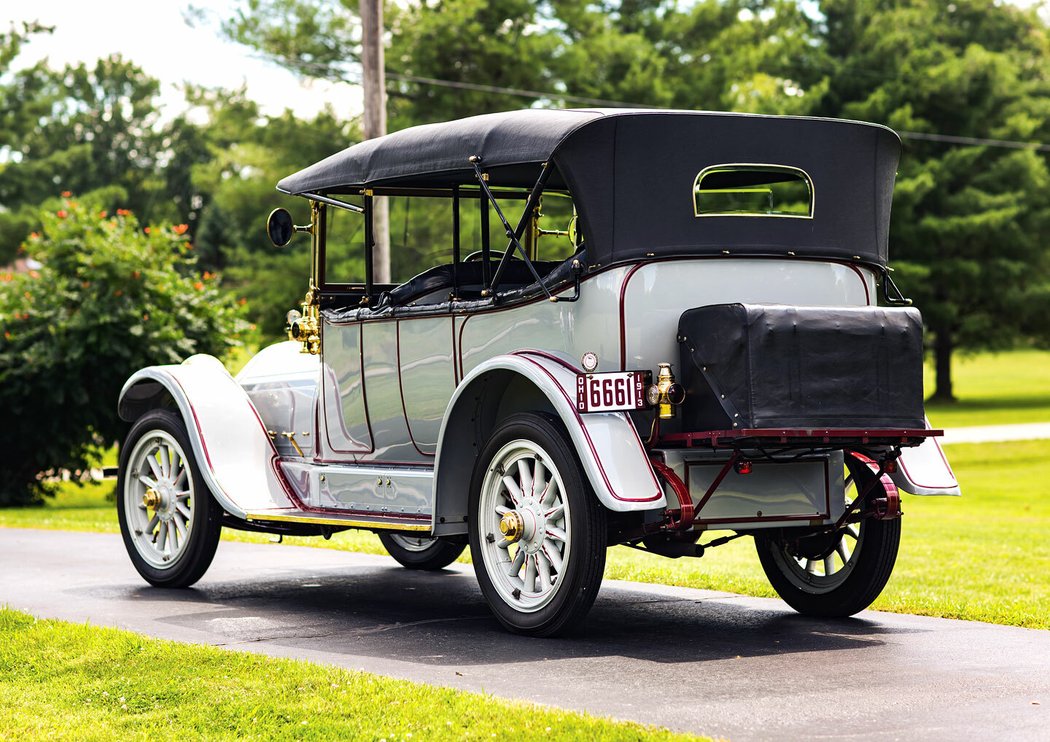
(753, 190)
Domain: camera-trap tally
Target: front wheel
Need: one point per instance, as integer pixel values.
(537, 531)
(836, 574)
(421, 552)
(168, 518)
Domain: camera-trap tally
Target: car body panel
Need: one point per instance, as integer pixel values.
(425, 355)
(771, 495)
(653, 295)
(363, 490)
(281, 383)
(347, 429)
(376, 442)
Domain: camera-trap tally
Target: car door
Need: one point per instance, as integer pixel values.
(345, 423)
(425, 363)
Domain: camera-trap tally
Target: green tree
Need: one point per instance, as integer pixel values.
(465, 43)
(110, 298)
(507, 43)
(969, 222)
(15, 116)
(90, 129)
(238, 155)
(248, 153)
(743, 55)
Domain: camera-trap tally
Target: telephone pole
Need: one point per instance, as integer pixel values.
(374, 122)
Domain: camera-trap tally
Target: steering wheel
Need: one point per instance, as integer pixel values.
(477, 255)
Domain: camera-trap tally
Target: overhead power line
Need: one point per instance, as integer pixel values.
(975, 141)
(950, 139)
(519, 92)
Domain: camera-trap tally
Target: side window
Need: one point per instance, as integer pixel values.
(344, 255)
(753, 190)
(423, 238)
(420, 235)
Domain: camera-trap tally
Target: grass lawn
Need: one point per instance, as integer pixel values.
(983, 557)
(70, 681)
(995, 389)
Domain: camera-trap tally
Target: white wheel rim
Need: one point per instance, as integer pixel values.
(415, 544)
(823, 575)
(159, 499)
(526, 572)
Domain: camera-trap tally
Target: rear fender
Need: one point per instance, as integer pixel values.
(924, 470)
(607, 444)
(236, 457)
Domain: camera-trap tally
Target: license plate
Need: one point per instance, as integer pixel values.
(612, 392)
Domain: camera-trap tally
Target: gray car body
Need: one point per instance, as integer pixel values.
(378, 405)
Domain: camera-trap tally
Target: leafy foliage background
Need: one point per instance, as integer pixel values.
(110, 298)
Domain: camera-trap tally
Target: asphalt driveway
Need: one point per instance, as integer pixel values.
(699, 661)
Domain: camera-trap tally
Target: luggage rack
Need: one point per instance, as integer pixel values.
(879, 448)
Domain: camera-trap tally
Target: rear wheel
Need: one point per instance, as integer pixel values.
(168, 518)
(834, 574)
(421, 552)
(537, 531)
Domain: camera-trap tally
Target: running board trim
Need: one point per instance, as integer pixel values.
(334, 519)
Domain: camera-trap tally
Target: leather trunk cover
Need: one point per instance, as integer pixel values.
(771, 366)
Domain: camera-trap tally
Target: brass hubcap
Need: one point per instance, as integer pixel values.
(511, 526)
(151, 499)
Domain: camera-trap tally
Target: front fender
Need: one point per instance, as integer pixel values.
(235, 455)
(611, 453)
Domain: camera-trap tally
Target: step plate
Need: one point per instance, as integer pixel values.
(344, 520)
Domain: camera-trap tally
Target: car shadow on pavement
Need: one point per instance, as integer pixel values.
(440, 618)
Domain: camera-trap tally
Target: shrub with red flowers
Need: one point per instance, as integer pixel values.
(108, 300)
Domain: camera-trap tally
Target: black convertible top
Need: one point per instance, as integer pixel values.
(436, 154)
(632, 172)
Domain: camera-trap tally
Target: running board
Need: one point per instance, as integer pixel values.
(339, 520)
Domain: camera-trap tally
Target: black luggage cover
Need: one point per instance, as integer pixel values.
(770, 366)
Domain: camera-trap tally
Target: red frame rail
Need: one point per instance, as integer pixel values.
(798, 436)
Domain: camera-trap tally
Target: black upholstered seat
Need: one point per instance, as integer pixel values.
(437, 284)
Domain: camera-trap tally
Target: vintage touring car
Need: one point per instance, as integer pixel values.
(639, 327)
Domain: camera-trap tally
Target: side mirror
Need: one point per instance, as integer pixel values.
(279, 227)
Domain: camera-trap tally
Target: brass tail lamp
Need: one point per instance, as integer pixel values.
(666, 394)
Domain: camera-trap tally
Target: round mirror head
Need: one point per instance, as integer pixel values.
(571, 232)
(279, 227)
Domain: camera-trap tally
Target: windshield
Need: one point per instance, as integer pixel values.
(422, 233)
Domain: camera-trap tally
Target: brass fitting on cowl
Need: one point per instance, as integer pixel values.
(305, 326)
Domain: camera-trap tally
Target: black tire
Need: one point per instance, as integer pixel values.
(876, 543)
(204, 524)
(561, 604)
(414, 552)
